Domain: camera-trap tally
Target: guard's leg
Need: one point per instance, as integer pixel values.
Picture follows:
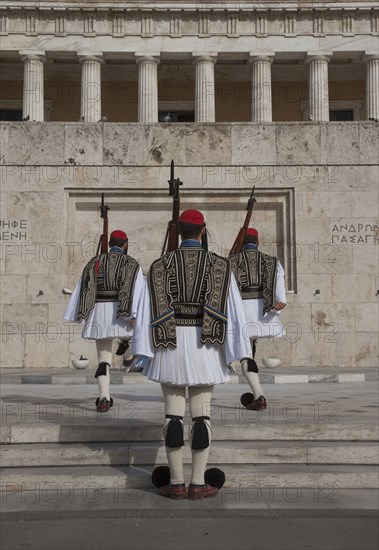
(256, 400)
(175, 402)
(104, 355)
(199, 404)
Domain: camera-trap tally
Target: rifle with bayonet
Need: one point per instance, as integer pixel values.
(238, 243)
(102, 247)
(172, 234)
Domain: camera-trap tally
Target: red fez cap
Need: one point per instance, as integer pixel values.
(117, 234)
(192, 216)
(252, 231)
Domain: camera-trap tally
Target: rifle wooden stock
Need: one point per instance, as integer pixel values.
(173, 236)
(171, 241)
(238, 243)
(104, 237)
(102, 247)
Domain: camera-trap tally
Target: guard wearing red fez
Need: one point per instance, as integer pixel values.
(189, 323)
(105, 302)
(260, 279)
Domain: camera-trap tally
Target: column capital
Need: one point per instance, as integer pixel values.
(255, 58)
(370, 57)
(30, 55)
(204, 57)
(318, 57)
(147, 57)
(90, 56)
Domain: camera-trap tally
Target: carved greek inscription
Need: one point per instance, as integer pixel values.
(354, 233)
(13, 230)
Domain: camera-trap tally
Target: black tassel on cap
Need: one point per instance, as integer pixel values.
(174, 432)
(204, 240)
(200, 434)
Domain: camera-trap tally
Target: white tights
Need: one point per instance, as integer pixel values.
(104, 355)
(199, 405)
(252, 378)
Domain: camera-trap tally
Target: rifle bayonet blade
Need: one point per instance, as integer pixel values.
(103, 208)
(252, 200)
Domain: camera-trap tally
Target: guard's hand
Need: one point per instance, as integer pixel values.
(132, 322)
(279, 305)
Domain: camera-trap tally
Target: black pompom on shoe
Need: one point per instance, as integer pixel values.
(214, 477)
(246, 399)
(161, 476)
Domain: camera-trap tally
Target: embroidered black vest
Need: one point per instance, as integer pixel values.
(108, 278)
(255, 273)
(189, 287)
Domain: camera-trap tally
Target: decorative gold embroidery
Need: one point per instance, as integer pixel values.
(255, 273)
(184, 281)
(108, 272)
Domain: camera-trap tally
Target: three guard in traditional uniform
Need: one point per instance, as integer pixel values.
(195, 315)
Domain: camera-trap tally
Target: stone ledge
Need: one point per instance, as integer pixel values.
(221, 452)
(80, 432)
(342, 477)
(220, 143)
(280, 376)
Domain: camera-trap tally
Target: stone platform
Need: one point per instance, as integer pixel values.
(310, 437)
(294, 375)
(305, 466)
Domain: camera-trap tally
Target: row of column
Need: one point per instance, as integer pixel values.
(261, 101)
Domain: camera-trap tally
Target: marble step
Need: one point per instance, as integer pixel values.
(140, 454)
(43, 432)
(280, 375)
(247, 478)
(232, 502)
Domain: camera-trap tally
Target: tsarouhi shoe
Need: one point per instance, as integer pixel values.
(247, 398)
(258, 404)
(196, 492)
(103, 405)
(177, 492)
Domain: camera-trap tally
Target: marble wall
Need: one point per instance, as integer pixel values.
(316, 186)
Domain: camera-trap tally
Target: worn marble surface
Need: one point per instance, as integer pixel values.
(316, 187)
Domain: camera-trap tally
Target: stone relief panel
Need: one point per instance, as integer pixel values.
(144, 215)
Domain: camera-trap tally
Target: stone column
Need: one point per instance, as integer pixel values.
(318, 87)
(147, 88)
(90, 102)
(261, 101)
(372, 86)
(205, 88)
(33, 94)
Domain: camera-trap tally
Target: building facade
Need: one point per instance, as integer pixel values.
(100, 96)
